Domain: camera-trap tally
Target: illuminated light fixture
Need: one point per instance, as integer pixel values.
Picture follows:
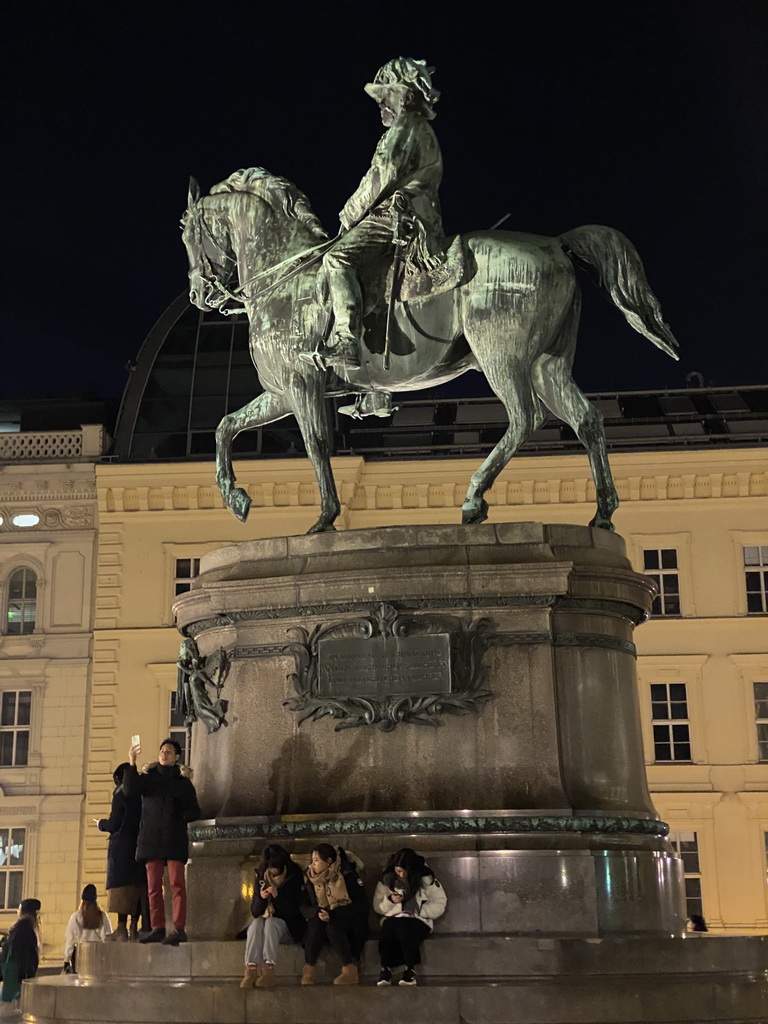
(26, 519)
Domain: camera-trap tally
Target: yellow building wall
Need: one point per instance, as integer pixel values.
(707, 504)
(46, 796)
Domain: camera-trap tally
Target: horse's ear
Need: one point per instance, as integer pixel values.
(194, 192)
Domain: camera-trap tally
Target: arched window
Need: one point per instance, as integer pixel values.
(21, 602)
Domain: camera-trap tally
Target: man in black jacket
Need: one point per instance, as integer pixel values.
(168, 803)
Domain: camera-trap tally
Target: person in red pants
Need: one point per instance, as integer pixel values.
(168, 803)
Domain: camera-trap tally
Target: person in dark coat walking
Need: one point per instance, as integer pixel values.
(168, 804)
(277, 916)
(336, 909)
(126, 877)
(21, 950)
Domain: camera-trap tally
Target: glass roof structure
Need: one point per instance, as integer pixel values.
(195, 367)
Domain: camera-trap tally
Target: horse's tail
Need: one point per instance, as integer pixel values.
(618, 270)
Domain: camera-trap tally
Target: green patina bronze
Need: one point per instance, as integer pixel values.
(415, 825)
(390, 305)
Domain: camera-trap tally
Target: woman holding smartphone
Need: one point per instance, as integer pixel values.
(277, 916)
(410, 899)
(336, 909)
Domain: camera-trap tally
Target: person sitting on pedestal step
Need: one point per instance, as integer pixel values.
(89, 923)
(410, 899)
(336, 909)
(20, 951)
(126, 877)
(168, 804)
(277, 916)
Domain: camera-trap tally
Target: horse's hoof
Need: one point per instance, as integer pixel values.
(473, 515)
(602, 524)
(239, 503)
(321, 527)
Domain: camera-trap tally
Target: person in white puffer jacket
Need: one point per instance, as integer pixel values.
(409, 899)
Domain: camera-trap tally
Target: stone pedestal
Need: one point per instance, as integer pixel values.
(530, 800)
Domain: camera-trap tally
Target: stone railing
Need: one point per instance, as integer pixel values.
(53, 445)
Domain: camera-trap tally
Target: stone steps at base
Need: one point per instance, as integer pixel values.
(634, 999)
(445, 958)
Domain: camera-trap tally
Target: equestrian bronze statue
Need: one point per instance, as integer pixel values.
(390, 305)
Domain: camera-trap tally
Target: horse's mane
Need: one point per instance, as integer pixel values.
(279, 192)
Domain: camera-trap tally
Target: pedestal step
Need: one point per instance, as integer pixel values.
(462, 981)
(660, 999)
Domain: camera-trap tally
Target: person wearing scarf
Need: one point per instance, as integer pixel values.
(277, 915)
(410, 899)
(336, 909)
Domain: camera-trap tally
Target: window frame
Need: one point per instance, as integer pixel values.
(639, 543)
(671, 722)
(16, 728)
(745, 539)
(662, 573)
(675, 841)
(6, 870)
(8, 576)
(761, 569)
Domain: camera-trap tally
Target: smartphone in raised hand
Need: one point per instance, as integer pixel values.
(136, 741)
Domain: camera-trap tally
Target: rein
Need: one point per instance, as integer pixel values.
(315, 251)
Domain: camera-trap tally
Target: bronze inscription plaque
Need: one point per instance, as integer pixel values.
(384, 666)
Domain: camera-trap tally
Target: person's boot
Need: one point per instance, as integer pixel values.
(267, 978)
(176, 936)
(156, 935)
(308, 974)
(120, 934)
(250, 977)
(133, 934)
(344, 352)
(348, 976)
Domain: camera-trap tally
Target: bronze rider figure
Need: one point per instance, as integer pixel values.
(406, 170)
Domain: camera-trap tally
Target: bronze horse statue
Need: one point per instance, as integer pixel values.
(513, 316)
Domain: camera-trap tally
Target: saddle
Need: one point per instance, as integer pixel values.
(445, 271)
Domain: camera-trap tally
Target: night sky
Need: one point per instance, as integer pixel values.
(649, 116)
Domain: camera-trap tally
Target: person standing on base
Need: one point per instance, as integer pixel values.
(168, 804)
(126, 877)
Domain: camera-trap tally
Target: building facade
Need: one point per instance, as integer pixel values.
(48, 519)
(695, 520)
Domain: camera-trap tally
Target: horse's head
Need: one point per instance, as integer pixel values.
(206, 236)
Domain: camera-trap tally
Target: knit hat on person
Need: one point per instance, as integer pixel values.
(30, 906)
(89, 894)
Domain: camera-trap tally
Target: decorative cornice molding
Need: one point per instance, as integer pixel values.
(364, 494)
(499, 824)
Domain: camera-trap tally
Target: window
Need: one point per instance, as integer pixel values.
(14, 727)
(661, 565)
(178, 731)
(756, 578)
(12, 843)
(671, 731)
(687, 845)
(22, 602)
(186, 570)
(761, 720)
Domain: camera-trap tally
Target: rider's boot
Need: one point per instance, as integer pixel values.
(343, 351)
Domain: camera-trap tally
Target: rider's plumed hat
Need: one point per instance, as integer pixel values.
(406, 73)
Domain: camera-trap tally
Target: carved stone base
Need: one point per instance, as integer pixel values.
(532, 711)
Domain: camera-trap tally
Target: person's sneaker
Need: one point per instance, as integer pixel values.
(177, 935)
(409, 977)
(156, 935)
(385, 976)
